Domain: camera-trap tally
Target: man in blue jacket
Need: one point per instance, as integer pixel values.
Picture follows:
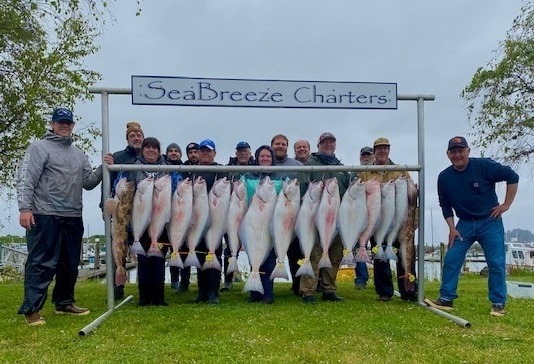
(468, 187)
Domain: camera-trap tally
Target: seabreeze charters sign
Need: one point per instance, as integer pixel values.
(188, 91)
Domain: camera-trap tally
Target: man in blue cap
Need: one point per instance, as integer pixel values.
(50, 180)
(208, 279)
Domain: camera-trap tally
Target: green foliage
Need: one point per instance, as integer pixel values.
(360, 329)
(42, 48)
(500, 97)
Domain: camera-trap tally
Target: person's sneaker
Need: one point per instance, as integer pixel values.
(175, 285)
(267, 300)
(360, 285)
(34, 319)
(497, 311)
(332, 297)
(309, 300)
(254, 299)
(439, 303)
(384, 298)
(72, 310)
(227, 286)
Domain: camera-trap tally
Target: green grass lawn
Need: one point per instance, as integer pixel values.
(360, 329)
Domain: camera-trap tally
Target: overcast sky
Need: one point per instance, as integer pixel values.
(426, 47)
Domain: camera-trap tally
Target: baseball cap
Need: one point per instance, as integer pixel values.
(190, 146)
(325, 136)
(457, 141)
(207, 143)
(242, 145)
(62, 114)
(366, 150)
(381, 141)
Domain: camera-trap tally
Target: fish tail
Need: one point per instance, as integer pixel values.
(305, 269)
(192, 260)
(279, 271)
(409, 282)
(390, 253)
(137, 248)
(232, 265)
(121, 276)
(176, 261)
(253, 283)
(362, 256)
(154, 251)
(348, 257)
(379, 253)
(211, 262)
(324, 262)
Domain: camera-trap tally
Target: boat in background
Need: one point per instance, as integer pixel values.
(519, 254)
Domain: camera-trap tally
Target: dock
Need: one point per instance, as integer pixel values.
(88, 273)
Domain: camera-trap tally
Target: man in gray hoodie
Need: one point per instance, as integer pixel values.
(49, 193)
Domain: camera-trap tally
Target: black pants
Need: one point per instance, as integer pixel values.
(181, 275)
(151, 272)
(54, 247)
(209, 280)
(294, 254)
(383, 278)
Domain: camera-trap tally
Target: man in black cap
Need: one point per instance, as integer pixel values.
(192, 154)
(243, 157)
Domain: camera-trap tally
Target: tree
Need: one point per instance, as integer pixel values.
(500, 97)
(42, 48)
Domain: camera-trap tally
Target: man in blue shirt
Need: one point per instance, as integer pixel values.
(468, 187)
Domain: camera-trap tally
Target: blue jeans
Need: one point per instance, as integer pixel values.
(490, 235)
(362, 275)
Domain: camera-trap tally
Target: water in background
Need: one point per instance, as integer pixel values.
(432, 270)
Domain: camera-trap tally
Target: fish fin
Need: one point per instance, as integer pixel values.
(378, 251)
(211, 262)
(176, 261)
(348, 257)
(232, 265)
(409, 284)
(253, 283)
(389, 253)
(305, 269)
(192, 260)
(279, 271)
(137, 248)
(362, 256)
(324, 262)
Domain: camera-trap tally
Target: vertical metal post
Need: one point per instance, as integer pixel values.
(421, 234)
(106, 188)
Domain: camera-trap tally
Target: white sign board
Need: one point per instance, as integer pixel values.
(187, 91)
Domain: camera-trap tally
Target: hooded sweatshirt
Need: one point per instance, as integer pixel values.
(51, 177)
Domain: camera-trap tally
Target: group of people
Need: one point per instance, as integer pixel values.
(53, 172)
